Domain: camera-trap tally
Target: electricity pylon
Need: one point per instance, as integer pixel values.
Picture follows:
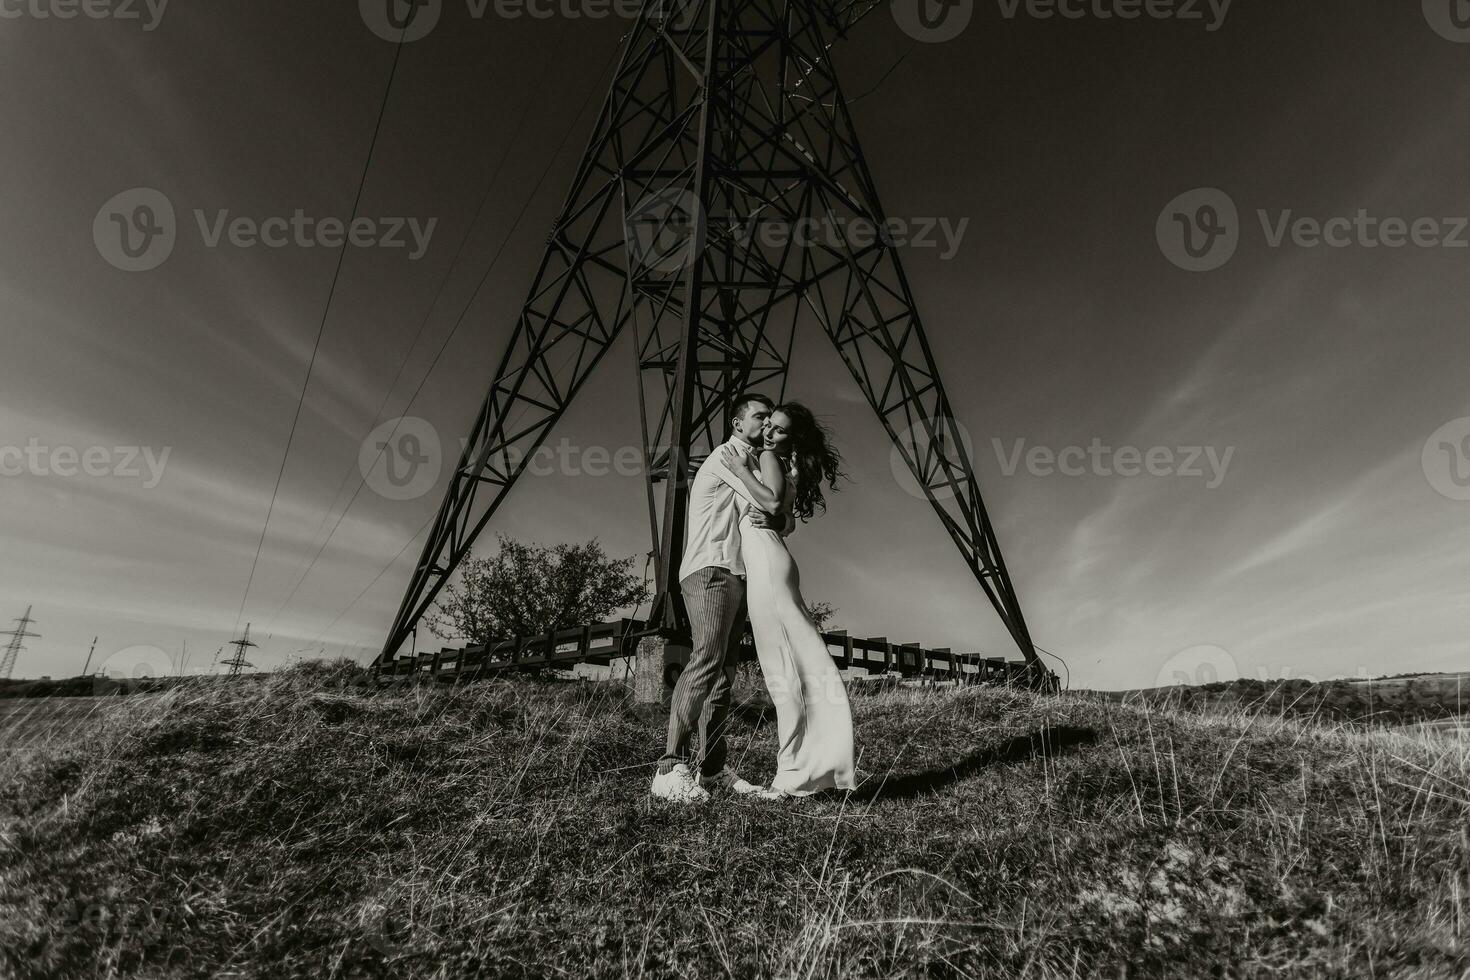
(725, 135)
(238, 661)
(16, 644)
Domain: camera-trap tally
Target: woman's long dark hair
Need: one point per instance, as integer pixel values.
(813, 457)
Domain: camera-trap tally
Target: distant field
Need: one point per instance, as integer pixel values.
(1437, 681)
(1442, 726)
(1395, 703)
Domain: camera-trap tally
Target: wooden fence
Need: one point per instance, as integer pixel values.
(601, 643)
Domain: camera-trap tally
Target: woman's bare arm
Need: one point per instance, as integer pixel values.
(773, 475)
(739, 465)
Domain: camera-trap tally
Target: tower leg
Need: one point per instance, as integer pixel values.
(579, 302)
(725, 123)
(869, 313)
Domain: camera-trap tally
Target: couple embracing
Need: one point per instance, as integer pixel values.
(743, 502)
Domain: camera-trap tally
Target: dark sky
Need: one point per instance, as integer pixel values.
(1332, 545)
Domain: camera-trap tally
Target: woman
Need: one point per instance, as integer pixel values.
(813, 720)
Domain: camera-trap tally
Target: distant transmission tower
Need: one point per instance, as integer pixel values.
(236, 662)
(15, 646)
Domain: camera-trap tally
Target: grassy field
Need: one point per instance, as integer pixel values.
(1394, 702)
(1459, 727)
(1448, 681)
(31, 722)
(301, 827)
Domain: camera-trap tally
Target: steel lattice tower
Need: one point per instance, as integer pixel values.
(238, 661)
(725, 118)
(18, 637)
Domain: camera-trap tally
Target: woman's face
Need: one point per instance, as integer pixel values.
(778, 433)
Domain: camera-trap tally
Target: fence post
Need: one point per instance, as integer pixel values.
(907, 667)
(967, 676)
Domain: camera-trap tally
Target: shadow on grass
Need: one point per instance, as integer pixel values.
(1047, 743)
(752, 714)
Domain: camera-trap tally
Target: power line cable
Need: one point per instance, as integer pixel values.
(576, 118)
(391, 561)
(321, 330)
(1060, 661)
(423, 325)
(883, 77)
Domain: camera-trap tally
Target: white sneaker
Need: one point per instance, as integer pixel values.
(678, 786)
(772, 793)
(726, 778)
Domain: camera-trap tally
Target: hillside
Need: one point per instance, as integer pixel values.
(1375, 703)
(302, 827)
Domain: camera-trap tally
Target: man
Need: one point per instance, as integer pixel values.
(712, 579)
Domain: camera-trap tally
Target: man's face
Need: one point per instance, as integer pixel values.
(750, 426)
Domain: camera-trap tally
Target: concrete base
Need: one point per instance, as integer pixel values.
(648, 671)
(658, 665)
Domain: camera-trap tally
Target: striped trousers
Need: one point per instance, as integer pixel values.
(715, 600)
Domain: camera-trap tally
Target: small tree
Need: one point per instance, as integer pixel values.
(528, 589)
(821, 614)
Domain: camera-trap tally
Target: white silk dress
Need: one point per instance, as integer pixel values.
(813, 718)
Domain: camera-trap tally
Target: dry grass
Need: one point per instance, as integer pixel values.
(303, 827)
